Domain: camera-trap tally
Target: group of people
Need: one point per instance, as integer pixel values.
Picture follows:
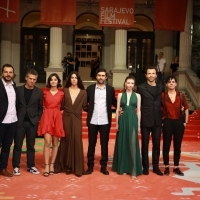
(26, 106)
(147, 111)
(20, 111)
(160, 63)
(151, 110)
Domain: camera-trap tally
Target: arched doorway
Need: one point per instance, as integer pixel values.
(34, 51)
(140, 46)
(88, 42)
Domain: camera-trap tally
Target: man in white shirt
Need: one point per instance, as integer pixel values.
(161, 65)
(100, 98)
(8, 116)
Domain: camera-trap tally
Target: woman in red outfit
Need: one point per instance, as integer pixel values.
(173, 124)
(51, 125)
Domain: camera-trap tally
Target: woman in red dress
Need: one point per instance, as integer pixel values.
(51, 125)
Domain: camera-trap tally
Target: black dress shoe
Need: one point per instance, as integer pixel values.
(88, 171)
(178, 171)
(157, 171)
(145, 171)
(104, 171)
(166, 172)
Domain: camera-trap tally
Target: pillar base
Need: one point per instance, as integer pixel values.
(119, 76)
(58, 71)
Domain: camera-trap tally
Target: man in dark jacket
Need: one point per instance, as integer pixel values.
(100, 99)
(8, 116)
(29, 111)
(151, 119)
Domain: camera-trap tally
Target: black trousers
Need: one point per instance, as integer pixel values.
(7, 132)
(156, 136)
(30, 131)
(172, 129)
(104, 131)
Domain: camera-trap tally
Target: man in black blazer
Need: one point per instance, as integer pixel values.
(100, 98)
(8, 116)
(29, 111)
(151, 119)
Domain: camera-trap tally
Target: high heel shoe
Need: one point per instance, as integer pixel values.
(51, 172)
(46, 173)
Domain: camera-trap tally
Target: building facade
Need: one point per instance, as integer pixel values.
(30, 44)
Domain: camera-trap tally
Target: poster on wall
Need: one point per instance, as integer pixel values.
(116, 13)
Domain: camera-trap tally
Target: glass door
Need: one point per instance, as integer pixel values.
(140, 53)
(34, 52)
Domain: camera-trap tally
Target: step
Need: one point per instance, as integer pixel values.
(192, 117)
(191, 138)
(192, 132)
(194, 122)
(192, 127)
(196, 112)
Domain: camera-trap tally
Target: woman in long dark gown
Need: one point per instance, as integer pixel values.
(70, 153)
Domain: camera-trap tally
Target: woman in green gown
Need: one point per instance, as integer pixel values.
(126, 157)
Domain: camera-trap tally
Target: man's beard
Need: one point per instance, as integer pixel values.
(6, 80)
(100, 81)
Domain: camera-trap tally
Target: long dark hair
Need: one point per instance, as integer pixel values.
(48, 85)
(129, 77)
(79, 83)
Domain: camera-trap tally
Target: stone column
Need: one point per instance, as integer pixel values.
(6, 44)
(120, 70)
(185, 41)
(168, 50)
(55, 65)
(185, 46)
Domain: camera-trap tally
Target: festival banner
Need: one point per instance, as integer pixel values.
(118, 13)
(170, 14)
(58, 12)
(9, 11)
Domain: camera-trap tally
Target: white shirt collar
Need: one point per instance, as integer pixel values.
(102, 87)
(10, 83)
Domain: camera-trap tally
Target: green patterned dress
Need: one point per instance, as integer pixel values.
(126, 157)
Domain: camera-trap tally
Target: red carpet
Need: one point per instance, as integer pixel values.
(98, 186)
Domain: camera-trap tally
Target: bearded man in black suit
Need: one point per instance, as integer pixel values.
(151, 119)
(8, 116)
(100, 99)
